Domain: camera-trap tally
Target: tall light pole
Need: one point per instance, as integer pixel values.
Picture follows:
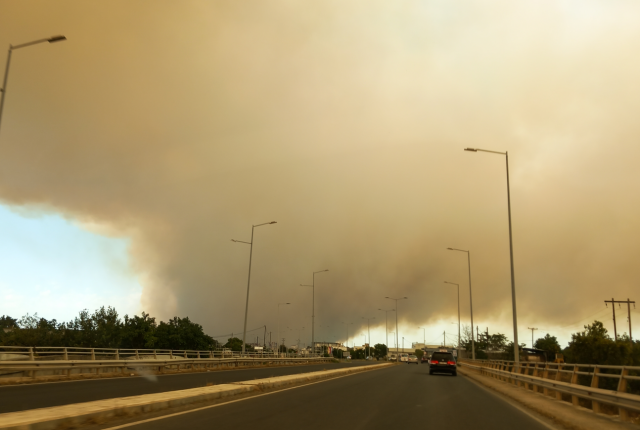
(386, 319)
(347, 325)
(424, 336)
(246, 309)
(459, 338)
(473, 344)
(279, 326)
(397, 339)
(513, 276)
(6, 70)
(369, 331)
(313, 308)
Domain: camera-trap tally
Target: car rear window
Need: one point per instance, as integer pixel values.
(440, 356)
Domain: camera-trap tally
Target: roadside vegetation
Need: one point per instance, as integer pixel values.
(105, 329)
(593, 345)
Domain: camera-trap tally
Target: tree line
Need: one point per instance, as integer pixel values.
(105, 329)
(593, 345)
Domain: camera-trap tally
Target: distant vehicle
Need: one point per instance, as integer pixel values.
(369, 358)
(348, 357)
(412, 359)
(425, 358)
(443, 362)
(393, 357)
(404, 357)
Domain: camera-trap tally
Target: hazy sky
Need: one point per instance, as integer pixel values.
(164, 129)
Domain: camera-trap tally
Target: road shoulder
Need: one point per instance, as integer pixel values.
(561, 414)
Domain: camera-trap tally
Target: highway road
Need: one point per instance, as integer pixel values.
(24, 397)
(397, 397)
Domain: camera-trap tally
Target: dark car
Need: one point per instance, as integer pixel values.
(424, 358)
(443, 362)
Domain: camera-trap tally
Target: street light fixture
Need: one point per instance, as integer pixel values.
(246, 309)
(513, 276)
(424, 336)
(369, 332)
(397, 339)
(386, 319)
(51, 39)
(313, 308)
(459, 338)
(473, 344)
(278, 349)
(347, 325)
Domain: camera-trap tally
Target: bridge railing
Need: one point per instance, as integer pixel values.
(61, 369)
(603, 388)
(15, 353)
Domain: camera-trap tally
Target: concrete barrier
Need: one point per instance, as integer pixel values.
(100, 411)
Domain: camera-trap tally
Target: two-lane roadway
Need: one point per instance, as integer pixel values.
(401, 397)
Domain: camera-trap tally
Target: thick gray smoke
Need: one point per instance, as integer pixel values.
(181, 124)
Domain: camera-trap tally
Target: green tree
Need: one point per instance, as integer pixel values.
(594, 346)
(379, 350)
(181, 333)
(108, 328)
(139, 332)
(548, 343)
(235, 344)
(419, 353)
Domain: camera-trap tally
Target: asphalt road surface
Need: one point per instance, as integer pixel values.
(405, 397)
(24, 397)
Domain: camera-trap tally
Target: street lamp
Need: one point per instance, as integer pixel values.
(513, 276)
(347, 325)
(424, 336)
(473, 344)
(313, 308)
(6, 71)
(386, 319)
(279, 325)
(246, 309)
(397, 339)
(369, 331)
(459, 338)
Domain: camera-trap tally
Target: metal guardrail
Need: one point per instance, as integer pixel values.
(47, 352)
(64, 368)
(549, 378)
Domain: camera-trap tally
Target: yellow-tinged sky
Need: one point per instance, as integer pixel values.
(179, 124)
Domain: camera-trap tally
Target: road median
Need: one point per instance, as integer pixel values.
(76, 415)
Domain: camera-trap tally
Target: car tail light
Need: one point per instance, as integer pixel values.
(451, 363)
(434, 361)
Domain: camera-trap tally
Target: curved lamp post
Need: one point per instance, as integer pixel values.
(397, 339)
(246, 309)
(516, 357)
(313, 308)
(6, 71)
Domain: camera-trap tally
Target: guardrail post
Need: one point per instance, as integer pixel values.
(622, 388)
(559, 378)
(171, 354)
(545, 375)
(93, 354)
(594, 384)
(574, 380)
(117, 354)
(155, 355)
(31, 355)
(137, 356)
(198, 354)
(65, 355)
(185, 353)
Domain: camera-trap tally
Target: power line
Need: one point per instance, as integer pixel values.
(237, 332)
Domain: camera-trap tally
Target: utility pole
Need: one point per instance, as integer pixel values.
(444, 338)
(613, 308)
(532, 330)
